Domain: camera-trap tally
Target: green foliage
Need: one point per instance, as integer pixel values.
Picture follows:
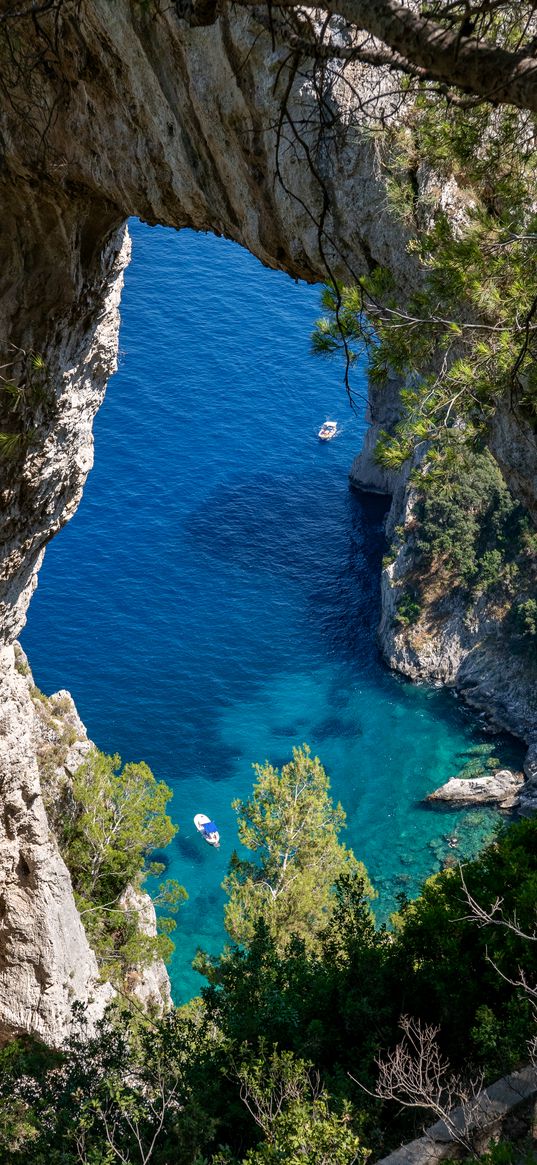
(118, 817)
(451, 968)
(122, 818)
(126, 1092)
(293, 1112)
(511, 1153)
(261, 1071)
(467, 523)
(467, 336)
(526, 618)
(292, 827)
(26, 399)
(408, 609)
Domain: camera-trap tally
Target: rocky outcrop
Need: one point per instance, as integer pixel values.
(527, 803)
(383, 412)
(448, 641)
(513, 441)
(501, 788)
(46, 964)
(149, 984)
(61, 745)
(504, 1110)
(470, 652)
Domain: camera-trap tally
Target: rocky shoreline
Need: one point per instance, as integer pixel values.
(501, 788)
(471, 654)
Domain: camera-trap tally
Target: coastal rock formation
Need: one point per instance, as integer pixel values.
(61, 745)
(148, 985)
(527, 804)
(383, 412)
(469, 650)
(501, 788)
(118, 110)
(46, 963)
(123, 109)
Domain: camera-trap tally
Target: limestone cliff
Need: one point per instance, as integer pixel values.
(46, 963)
(110, 110)
(467, 647)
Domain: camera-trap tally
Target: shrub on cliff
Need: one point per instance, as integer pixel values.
(467, 518)
(466, 338)
(261, 1072)
(118, 818)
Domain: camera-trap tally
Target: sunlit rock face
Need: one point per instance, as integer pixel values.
(46, 964)
(120, 110)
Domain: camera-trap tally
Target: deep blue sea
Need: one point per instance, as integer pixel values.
(216, 597)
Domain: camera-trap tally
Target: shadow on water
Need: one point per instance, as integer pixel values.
(162, 857)
(334, 726)
(189, 848)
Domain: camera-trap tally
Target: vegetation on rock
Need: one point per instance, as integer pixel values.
(118, 818)
(467, 337)
(264, 1067)
(108, 820)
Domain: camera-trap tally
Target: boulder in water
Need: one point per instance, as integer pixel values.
(501, 788)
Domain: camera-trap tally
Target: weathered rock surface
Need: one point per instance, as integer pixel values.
(468, 652)
(501, 788)
(133, 113)
(58, 746)
(527, 804)
(149, 985)
(46, 963)
(505, 1109)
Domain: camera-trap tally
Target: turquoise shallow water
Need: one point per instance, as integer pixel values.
(215, 599)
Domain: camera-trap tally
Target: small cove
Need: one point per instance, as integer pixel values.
(215, 599)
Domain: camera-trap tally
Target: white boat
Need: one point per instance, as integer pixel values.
(327, 431)
(207, 828)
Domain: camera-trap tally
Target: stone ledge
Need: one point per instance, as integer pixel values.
(492, 1112)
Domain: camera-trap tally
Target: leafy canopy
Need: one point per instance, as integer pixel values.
(465, 335)
(118, 819)
(123, 818)
(291, 826)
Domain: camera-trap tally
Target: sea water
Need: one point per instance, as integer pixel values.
(216, 597)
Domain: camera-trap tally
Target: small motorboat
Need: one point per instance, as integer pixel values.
(327, 431)
(207, 828)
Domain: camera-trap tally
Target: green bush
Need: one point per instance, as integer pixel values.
(526, 617)
(118, 817)
(408, 609)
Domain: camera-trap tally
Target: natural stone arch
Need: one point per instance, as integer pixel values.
(129, 114)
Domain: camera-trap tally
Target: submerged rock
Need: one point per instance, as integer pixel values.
(501, 788)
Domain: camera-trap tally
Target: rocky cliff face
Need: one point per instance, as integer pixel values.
(46, 963)
(111, 110)
(467, 648)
